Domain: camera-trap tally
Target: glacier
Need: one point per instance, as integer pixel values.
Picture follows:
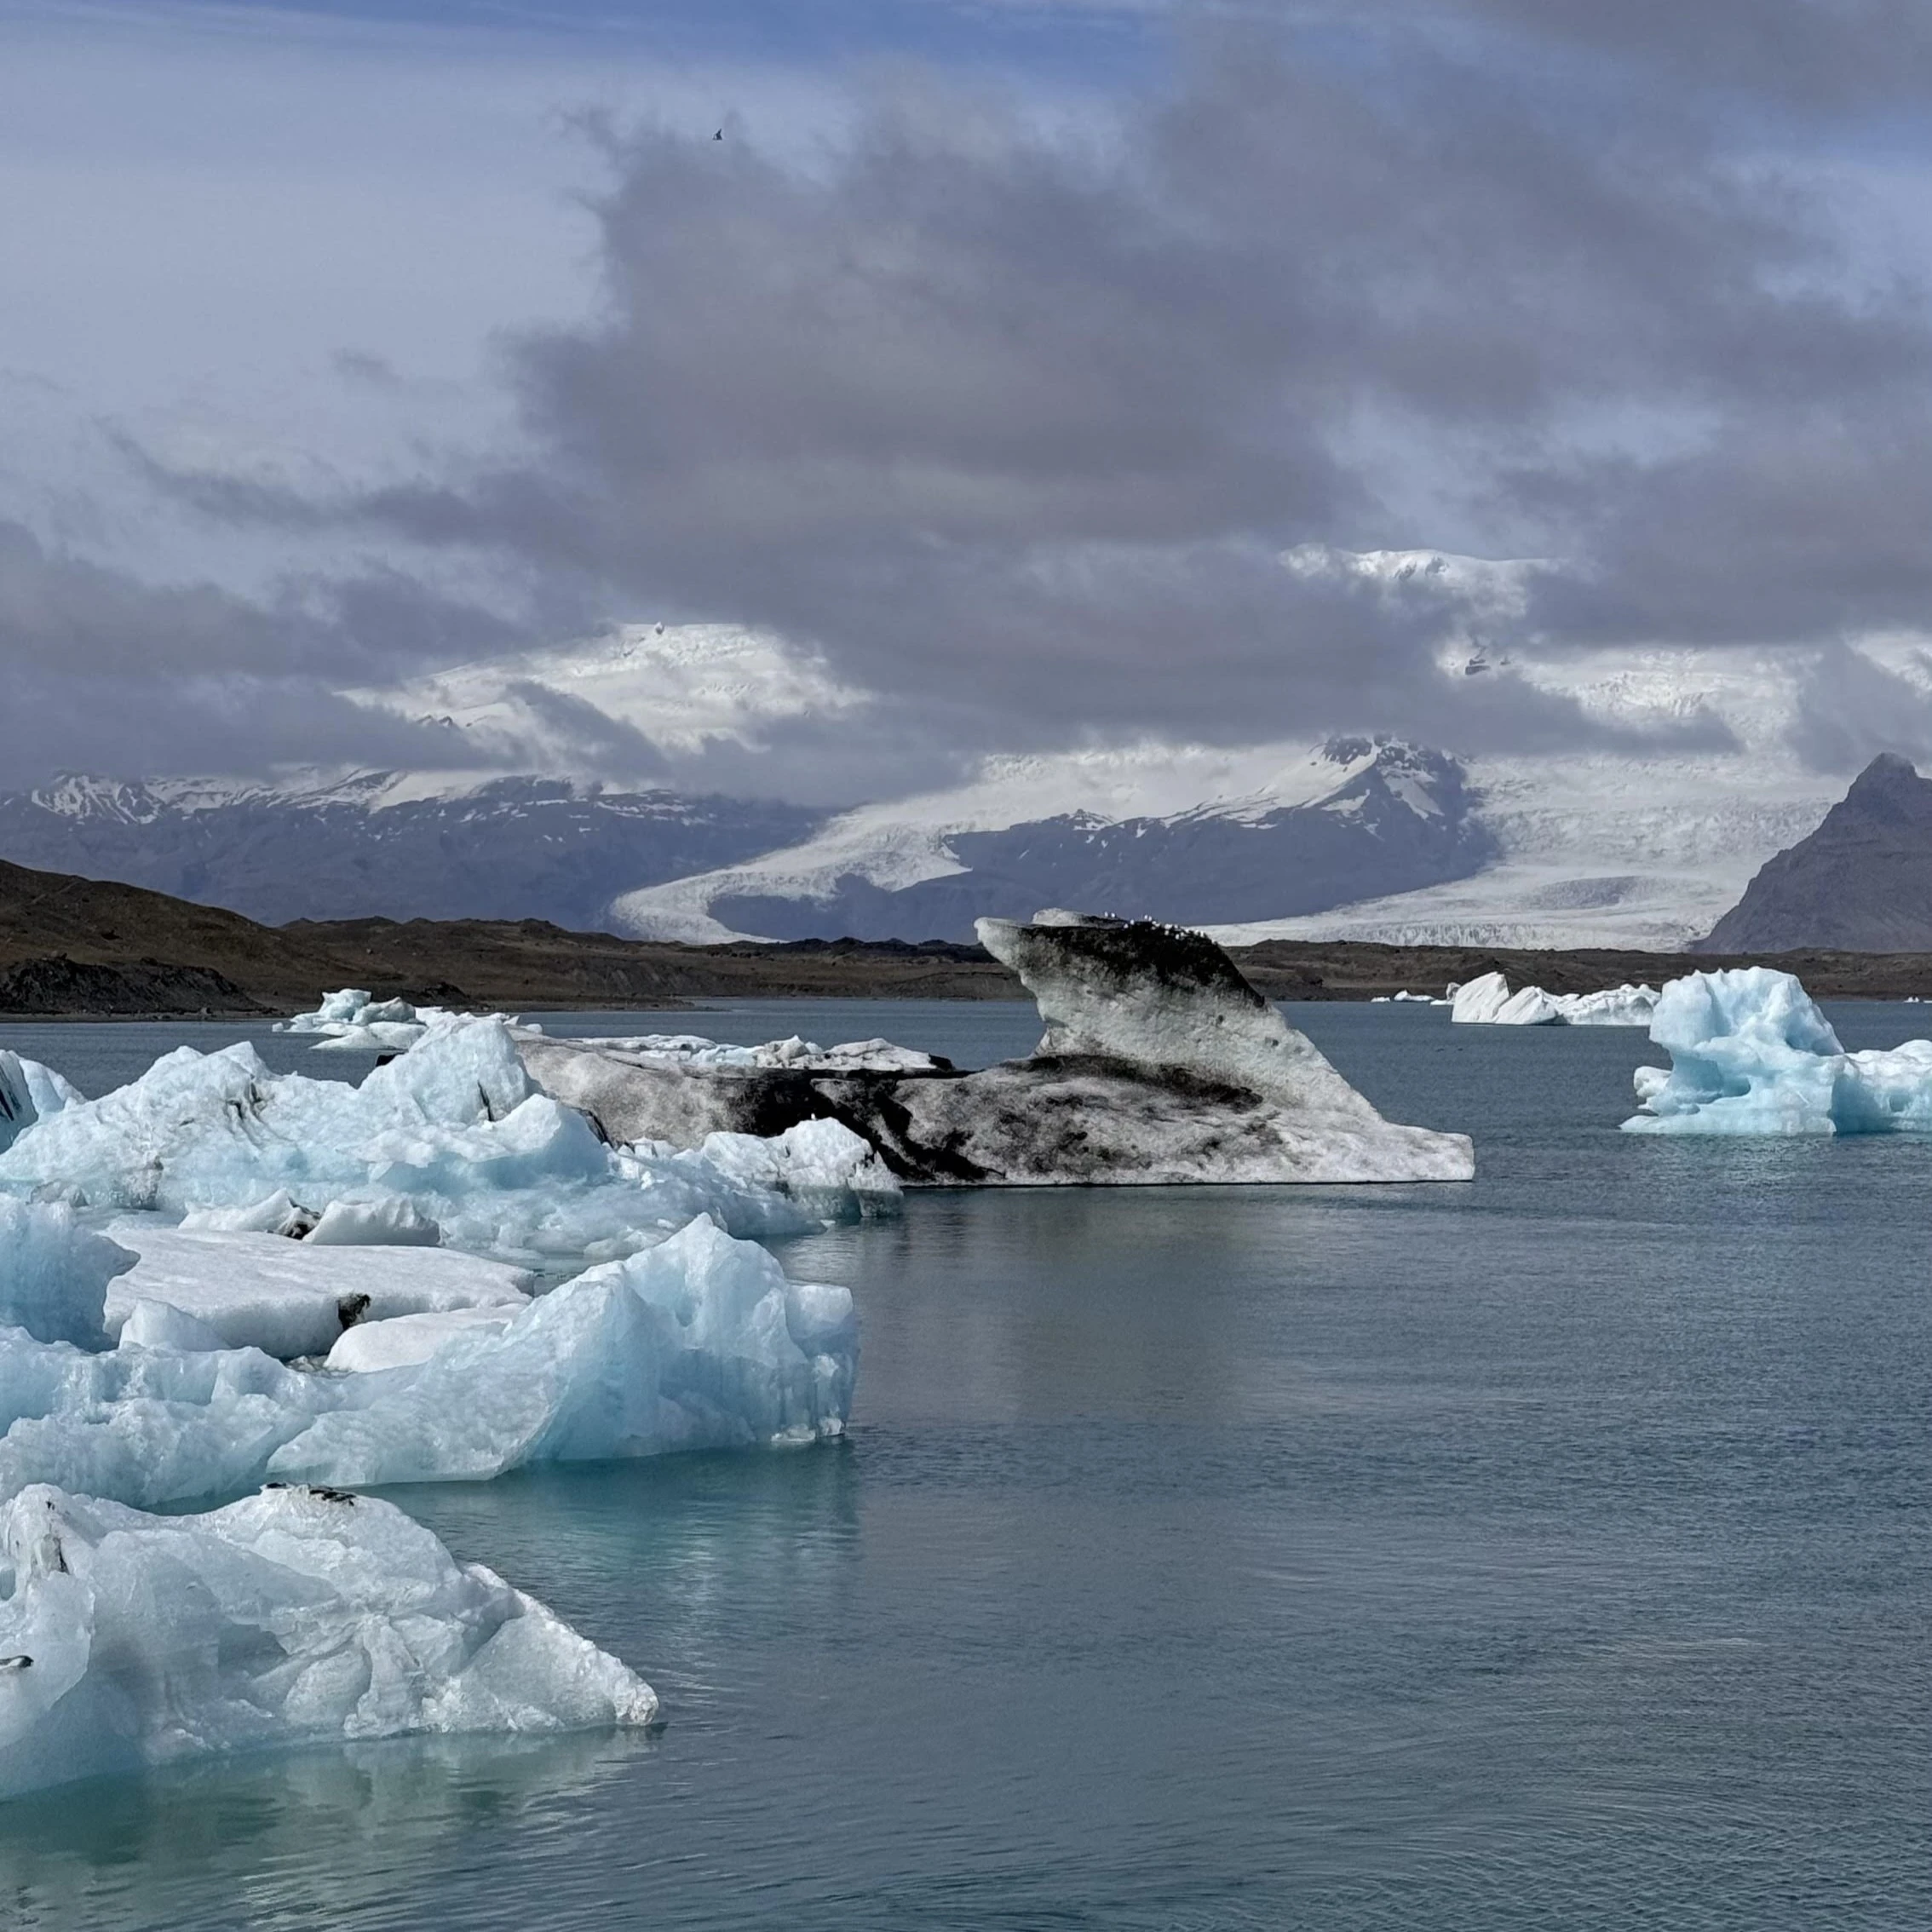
(1486, 1001)
(295, 1615)
(1751, 1052)
(700, 1343)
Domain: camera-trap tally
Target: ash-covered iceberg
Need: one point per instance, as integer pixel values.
(700, 1343)
(1487, 1002)
(1159, 1065)
(454, 1132)
(1752, 1054)
(295, 1616)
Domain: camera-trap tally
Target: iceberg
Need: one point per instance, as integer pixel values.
(1160, 1064)
(855, 1057)
(700, 1343)
(1487, 1002)
(353, 1022)
(453, 1135)
(1752, 1054)
(296, 1615)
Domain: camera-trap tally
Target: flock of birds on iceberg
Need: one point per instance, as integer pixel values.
(220, 1282)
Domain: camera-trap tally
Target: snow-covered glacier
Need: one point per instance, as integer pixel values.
(1486, 1001)
(1752, 1054)
(296, 1615)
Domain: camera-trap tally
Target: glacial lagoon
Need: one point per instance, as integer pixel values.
(1548, 1550)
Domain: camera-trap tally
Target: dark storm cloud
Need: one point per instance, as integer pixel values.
(1013, 424)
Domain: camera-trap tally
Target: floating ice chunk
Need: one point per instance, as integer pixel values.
(54, 1275)
(29, 1092)
(701, 1342)
(1487, 1002)
(350, 1021)
(290, 1298)
(1752, 1054)
(405, 1340)
(391, 1222)
(692, 1049)
(340, 1008)
(295, 1616)
(161, 1325)
(456, 1128)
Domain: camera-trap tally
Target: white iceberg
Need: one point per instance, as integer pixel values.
(1752, 1054)
(455, 1129)
(294, 1616)
(699, 1342)
(353, 1022)
(1487, 1002)
(290, 1298)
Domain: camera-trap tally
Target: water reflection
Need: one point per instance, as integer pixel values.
(316, 1837)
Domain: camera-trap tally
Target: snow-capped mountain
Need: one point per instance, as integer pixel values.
(508, 848)
(1643, 840)
(1345, 817)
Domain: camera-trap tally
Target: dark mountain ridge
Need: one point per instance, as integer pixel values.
(1862, 883)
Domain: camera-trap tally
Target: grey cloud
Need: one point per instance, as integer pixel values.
(1852, 709)
(106, 672)
(1012, 424)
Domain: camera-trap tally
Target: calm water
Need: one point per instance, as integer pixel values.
(1549, 1552)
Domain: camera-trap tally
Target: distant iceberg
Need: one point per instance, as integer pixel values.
(353, 1020)
(294, 1616)
(1752, 1054)
(1488, 1002)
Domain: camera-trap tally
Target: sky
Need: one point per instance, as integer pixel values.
(994, 359)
